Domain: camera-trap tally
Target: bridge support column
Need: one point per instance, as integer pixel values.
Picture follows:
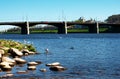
(25, 29)
(62, 29)
(115, 29)
(94, 28)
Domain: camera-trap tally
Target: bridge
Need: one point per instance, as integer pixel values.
(62, 26)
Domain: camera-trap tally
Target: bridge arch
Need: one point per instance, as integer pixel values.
(21, 25)
(43, 28)
(8, 28)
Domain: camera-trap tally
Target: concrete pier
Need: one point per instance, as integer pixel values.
(25, 29)
(97, 25)
(94, 28)
(115, 28)
(62, 29)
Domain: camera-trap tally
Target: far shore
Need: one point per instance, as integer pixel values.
(102, 30)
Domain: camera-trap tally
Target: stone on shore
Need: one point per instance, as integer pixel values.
(22, 72)
(27, 52)
(43, 70)
(15, 52)
(53, 64)
(20, 60)
(31, 53)
(38, 61)
(7, 67)
(32, 64)
(31, 68)
(7, 59)
(2, 64)
(57, 68)
(8, 75)
(2, 51)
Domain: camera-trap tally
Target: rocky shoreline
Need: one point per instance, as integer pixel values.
(11, 53)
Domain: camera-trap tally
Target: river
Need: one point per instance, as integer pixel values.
(86, 56)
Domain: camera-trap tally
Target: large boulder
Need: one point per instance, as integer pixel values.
(27, 52)
(7, 68)
(6, 65)
(7, 59)
(20, 60)
(2, 51)
(15, 52)
(2, 64)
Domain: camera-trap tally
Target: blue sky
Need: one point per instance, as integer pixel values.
(50, 10)
(56, 10)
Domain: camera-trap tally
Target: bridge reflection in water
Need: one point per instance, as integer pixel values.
(62, 26)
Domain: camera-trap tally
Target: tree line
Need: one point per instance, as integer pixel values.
(110, 19)
(113, 19)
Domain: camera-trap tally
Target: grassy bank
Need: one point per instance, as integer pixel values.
(102, 30)
(6, 44)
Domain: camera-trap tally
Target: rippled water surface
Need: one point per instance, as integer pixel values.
(86, 56)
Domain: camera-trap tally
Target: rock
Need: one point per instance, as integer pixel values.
(0, 57)
(27, 52)
(6, 68)
(57, 68)
(37, 61)
(7, 75)
(0, 70)
(2, 64)
(31, 53)
(22, 72)
(53, 64)
(4, 48)
(43, 70)
(31, 68)
(20, 60)
(32, 64)
(7, 59)
(15, 52)
(2, 51)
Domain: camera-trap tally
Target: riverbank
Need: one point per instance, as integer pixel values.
(6, 44)
(84, 30)
(12, 57)
(11, 53)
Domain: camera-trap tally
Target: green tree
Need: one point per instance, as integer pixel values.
(113, 19)
(80, 20)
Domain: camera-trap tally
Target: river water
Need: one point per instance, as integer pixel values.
(86, 56)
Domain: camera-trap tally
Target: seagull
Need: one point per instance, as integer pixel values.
(47, 50)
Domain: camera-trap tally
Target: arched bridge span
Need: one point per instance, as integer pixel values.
(62, 26)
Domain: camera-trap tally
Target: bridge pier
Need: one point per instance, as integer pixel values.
(25, 29)
(115, 29)
(94, 28)
(62, 29)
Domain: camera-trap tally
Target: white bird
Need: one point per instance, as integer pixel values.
(47, 50)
